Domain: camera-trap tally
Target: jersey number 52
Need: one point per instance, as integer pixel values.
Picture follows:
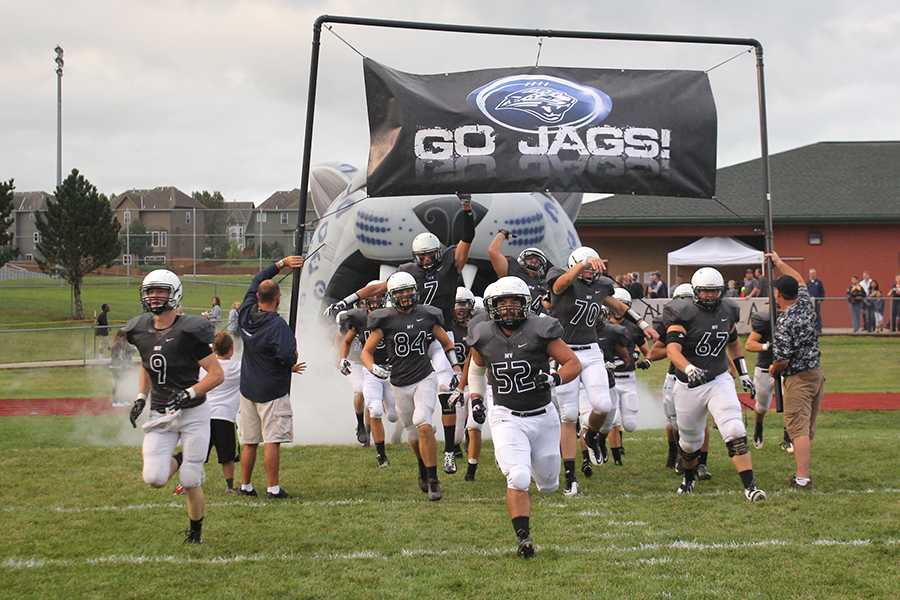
(513, 376)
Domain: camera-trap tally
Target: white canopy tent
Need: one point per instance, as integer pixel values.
(714, 251)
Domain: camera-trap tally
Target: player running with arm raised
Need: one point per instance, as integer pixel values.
(530, 266)
(515, 348)
(173, 348)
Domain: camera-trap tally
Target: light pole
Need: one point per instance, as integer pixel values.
(59, 73)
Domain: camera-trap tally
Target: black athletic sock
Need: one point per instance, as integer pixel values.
(521, 527)
(470, 470)
(622, 441)
(689, 475)
(617, 454)
(196, 526)
(787, 438)
(360, 421)
(569, 467)
(229, 482)
(703, 456)
(758, 430)
(179, 458)
(431, 473)
(423, 470)
(747, 478)
(449, 438)
(585, 455)
(379, 448)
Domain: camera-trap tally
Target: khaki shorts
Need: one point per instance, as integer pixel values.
(266, 422)
(803, 394)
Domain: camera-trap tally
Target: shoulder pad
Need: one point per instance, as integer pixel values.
(434, 312)
(547, 328)
(759, 322)
(606, 282)
(450, 253)
(377, 318)
(678, 312)
(619, 332)
(407, 267)
(135, 322)
(477, 332)
(732, 308)
(200, 328)
(553, 274)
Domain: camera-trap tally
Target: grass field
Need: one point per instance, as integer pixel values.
(852, 364)
(79, 522)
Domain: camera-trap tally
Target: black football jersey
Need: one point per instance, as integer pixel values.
(609, 336)
(760, 324)
(407, 337)
(171, 356)
(634, 337)
(537, 285)
(512, 362)
(357, 319)
(437, 286)
(660, 327)
(708, 333)
(459, 339)
(578, 307)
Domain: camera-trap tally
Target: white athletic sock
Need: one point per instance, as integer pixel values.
(247, 487)
(275, 489)
(473, 461)
(801, 480)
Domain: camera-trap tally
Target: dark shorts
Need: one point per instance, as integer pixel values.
(223, 435)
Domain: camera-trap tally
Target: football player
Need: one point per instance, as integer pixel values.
(437, 272)
(530, 266)
(760, 340)
(576, 296)
(515, 348)
(376, 392)
(624, 395)
(698, 333)
(454, 417)
(406, 330)
(173, 349)
(352, 368)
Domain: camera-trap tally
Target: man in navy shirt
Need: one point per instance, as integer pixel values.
(270, 356)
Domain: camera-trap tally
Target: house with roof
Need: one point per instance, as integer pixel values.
(170, 217)
(836, 208)
(275, 220)
(26, 236)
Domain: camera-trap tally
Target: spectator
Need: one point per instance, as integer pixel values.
(875, 305)
(232, 326)
(762, 282)
(855, 296)
(657, 287)
(867, 315)
(732, 291)
(817, 292)
(120, 360)
(101, 331)
(796, 353)
(223, 403)
(214, 314)
(635, 288)
(269, 358)
(749, 286)
(895, 304)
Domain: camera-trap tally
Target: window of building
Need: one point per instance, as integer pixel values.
(36, 237)
(815, 238)
(29, 256)
(187, 217)
(127, 217)
(262, 216)
(126, 259)
(284, 218)
(159, 239)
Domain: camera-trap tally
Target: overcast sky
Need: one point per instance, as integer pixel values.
(212, 95)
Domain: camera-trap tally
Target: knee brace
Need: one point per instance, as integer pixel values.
(191, 474)
(444, 399)
(629, 422)
(737, 446)
(518, 478)
(733, 429)
(569, 413)
(688, 457)
(376, 410)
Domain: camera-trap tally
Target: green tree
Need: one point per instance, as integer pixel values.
(79, 234)
(7, 252)
(139, 239)
(213, 222)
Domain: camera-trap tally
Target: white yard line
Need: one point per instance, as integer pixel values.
(677, 546)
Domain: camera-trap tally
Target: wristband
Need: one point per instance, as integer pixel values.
(765, 347)
(280, 264)
(142, 396)
(451, 356)
(643, 325)
(741, 365)
(476, 379)
(191, 393)
(351, 299)
(634, 317)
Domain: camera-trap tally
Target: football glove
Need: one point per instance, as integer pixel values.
(334, 309)
(478, 411)
(345, 366)
(179, 400)
(545, 381)
(454, 381)
(380, 372)
(136, 409)
(643, 363)
(696, 376)
(456, 398)
(747, 384)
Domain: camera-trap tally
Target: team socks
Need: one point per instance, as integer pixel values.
(703, 456)
(197, 526)
(470, 470)
(229, 483)
(247, 487)
(431, 473)
(569, 467)
(450, 438)
(585, 455)
(423, 470)
(360, 421)
(379, 448)
(275, 489)
(179, 458)
(617, 454)
(747, 479)
(521, 527)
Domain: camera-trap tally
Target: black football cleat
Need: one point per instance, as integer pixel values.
(192, 537)
(281, 495)
(586, 467)
(525, 547)
(252, 493)
(434, 490)
(423, 485)
(362, 436)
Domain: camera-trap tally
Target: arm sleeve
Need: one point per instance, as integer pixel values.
(468, 227)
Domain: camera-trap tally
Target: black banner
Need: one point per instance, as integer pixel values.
(541, 128)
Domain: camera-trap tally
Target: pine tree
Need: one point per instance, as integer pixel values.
(79, 234)
(7, 252)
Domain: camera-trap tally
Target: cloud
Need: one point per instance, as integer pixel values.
(212, 94)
